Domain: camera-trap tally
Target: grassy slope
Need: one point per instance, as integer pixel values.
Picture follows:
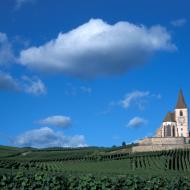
(8, 151)
(107, 167)
(56, 153)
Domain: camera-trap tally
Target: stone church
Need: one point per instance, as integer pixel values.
(176, 123)
(172, 134)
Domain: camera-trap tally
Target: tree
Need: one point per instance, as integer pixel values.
(123, 144)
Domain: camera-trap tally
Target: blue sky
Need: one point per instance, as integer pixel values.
(77, 73)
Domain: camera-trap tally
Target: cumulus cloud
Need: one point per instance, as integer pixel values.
(46, 137)
(57, 121)
(6, 53)
(28, 85)
(136, 122)
(179, 22)
(97, 48)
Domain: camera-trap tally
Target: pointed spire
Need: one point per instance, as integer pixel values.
(181, 101)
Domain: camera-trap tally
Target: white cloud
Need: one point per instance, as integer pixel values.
(20, 3)
(7, 82)
(136, 122)
(46, 137)
(28, 85)
(98, 49)
(136, 97)
(57, 121)
(6, 53)
(34, 86)
(179, 22)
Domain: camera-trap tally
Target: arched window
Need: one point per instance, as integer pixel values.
(181, 113)
(173, 131)
(167, 131)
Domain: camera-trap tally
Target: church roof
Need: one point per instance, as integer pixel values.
(170, 117)
(181, 101)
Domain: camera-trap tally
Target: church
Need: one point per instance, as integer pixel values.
(175, 124)
(173, 132)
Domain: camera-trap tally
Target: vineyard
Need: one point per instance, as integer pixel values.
(90, 182)
(94, 164)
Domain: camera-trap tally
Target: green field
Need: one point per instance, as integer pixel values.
(95, 163)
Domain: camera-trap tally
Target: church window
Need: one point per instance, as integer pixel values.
(173, 131)
(167, 131)
(181, 113)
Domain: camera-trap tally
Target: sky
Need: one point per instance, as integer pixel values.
(77, 73)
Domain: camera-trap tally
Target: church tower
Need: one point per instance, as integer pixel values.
(181, 116)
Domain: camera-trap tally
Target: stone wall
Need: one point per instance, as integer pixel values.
(163, 141)
(187, 140)
(149, 148)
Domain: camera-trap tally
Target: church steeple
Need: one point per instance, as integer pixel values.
(181, 101)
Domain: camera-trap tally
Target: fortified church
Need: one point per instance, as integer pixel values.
(176, 123)
(173, 132)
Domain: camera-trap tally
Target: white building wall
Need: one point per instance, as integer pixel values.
(183, 129)
(171, 124)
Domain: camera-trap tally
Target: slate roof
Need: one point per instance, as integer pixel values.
(181, 101)
(170, 117)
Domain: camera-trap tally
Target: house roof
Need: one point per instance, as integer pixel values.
(181, 101)
(170, 117)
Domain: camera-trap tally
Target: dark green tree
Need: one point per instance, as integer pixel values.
(123, 144)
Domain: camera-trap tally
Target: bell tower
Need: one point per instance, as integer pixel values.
(181, 116)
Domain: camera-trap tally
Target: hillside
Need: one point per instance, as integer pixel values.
(93, 168)
(96, 160)
(28, 153)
